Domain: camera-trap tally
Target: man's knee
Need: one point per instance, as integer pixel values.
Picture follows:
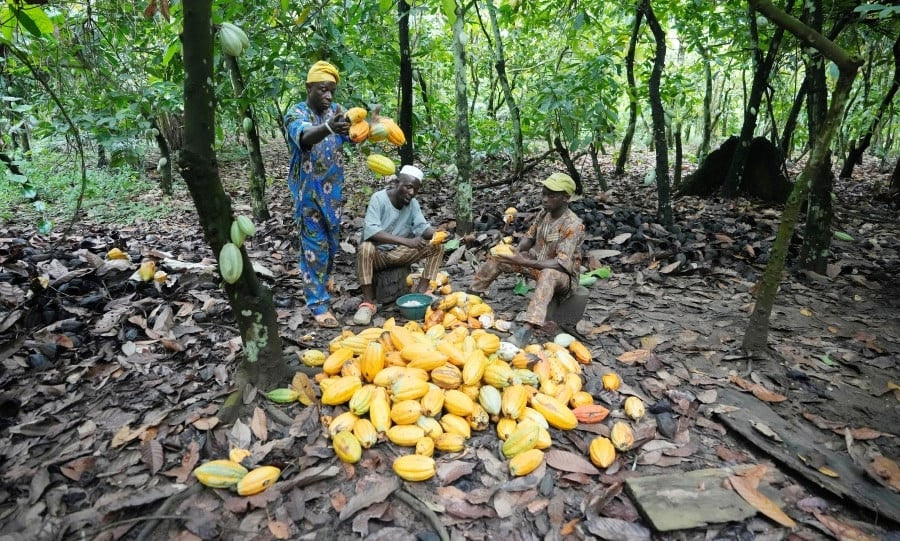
(366, 250)
(551, 276)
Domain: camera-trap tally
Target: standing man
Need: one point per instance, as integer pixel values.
(395, 233)
(316, 131)
(550, 253)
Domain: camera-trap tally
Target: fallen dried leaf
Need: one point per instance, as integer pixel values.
(152, 454)
(258, 424)
(758, 390)
(569, 462)
(614, 529)
(634, 356)
(888, 470)
(744, 486)
(844, 532)
(280, 530)
(206, 423)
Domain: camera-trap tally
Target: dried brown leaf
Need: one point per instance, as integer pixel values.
(634, 356)
(614, 529)
(745, 487)
(888, 470)
(258, 424)
(280, 530)
(303, 385)
(569, 462)
(843, 532)
(758, 390)
(74, 469)
(206, 423)
(188, 461)
(152, 454)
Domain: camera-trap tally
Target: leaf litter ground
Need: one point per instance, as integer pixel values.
(111, 386)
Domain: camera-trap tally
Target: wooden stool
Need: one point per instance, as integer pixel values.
(390, 284)
(567, 311)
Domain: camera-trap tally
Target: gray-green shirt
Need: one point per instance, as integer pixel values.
(382, 215)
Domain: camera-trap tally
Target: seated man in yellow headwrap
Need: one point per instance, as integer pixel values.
(550, 253)
(316, 130)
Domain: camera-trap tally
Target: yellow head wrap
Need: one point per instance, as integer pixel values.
(560, 182)
(322, 71)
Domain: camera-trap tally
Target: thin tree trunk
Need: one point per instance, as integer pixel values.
(819, 214)
(262, 364)
(625, 149)
(856, 153)
(569, 163)
(165, 172)
(595, 164)
(790, 124)
(251, 140)
(676, 177)
(500, 65)
(423, 90)
(664, 204)
(762, 67)
(756, 336)
(405, 118)
(464, 218)
(703, 149)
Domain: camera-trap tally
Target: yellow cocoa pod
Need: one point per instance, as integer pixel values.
(312, 357)
(362, 399)
(424, 357)
(479, 418)
(352, 368)
(471, 391)
(372, 361)
(505, 427)
(433, 401)
(380, 165)
(334, 362)
(581, 398)
(365, 433)
(446, 376)
(544, 440)
(380, 410)
(341, 423)
(414, 467)
(458, 403)
(356, 114)
(449, 442)
(456, 425)
(220, 473)
(621, 436)
(406, 412)
(258, 480)
(611, 381)
(499, 375)
(501, 249)
(405, 435)
(634, 408)
(533, 415)
(581, 352)
(359, 131)
(525, 462)
(425, 447)
(454, 354)
(341, 390)
(556, 412)
(439, 237)
(602, 452)
(148, 269)
(395, 134)
(473, 370)
(347, 447)
(513, 401)
(408, 388)
(116, 253)
(238, 455)
(524, 437)
(430, 426)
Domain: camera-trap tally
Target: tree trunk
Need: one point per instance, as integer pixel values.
(423, 90)
(856, 153)
(676, 177)
(664, 203)
(595, 164)
(165, 172)
(632, 95)
(760, 79)
(791, 123)
(405, 117)
(756, 336)
(263, 364)
(569, 163)
(500, 64)
(703, 149)
(464, 219)
(817, 232)
(251, 138)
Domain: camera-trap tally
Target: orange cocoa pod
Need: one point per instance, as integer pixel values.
(590, 414)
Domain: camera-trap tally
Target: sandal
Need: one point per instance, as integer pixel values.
(364, 313)
(327, 320)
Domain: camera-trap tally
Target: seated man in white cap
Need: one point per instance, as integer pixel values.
(395, 234)
(550, 252)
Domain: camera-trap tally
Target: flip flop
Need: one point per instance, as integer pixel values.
(327, 320)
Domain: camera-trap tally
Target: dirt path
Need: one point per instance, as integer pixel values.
(110, 386)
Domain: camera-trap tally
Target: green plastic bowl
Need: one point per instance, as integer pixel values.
(413, 305)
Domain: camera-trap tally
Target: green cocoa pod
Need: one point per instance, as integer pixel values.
(237, 236)
(231, 264)
(230, 40)
(248, 124)
(246, 225)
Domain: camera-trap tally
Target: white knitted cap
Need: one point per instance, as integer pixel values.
(412, 171)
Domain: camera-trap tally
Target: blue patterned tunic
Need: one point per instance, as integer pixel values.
(316, 178)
